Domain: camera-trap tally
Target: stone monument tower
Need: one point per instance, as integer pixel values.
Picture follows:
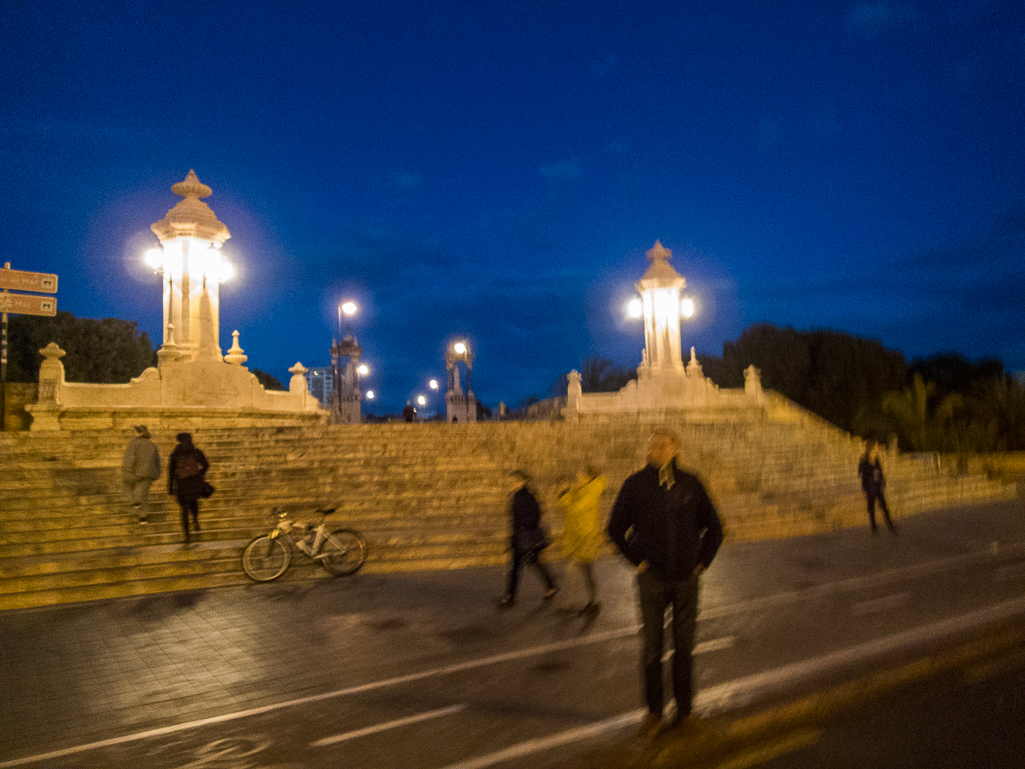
(191, 238)
(459, 407)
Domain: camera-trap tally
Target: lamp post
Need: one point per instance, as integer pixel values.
(346, 396)
(459, 408)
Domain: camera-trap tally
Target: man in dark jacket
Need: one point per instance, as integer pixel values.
(527, 539)
(666, 526)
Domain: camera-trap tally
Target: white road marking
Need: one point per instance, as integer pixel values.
(704, 647)
(880, 604)
(383, 727)
(1011, 607)
(744, 690)
(856, 583)
(553, 741)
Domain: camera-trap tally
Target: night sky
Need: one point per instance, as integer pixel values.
(496, 171)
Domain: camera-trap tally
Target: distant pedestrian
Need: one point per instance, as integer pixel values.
(139, 468)
(528, 539)
(870, 468)
(583, 534)
(186, 480)
(409, 412)
(666, 526)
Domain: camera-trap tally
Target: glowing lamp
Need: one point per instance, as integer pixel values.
(635, 308)
(687, 307)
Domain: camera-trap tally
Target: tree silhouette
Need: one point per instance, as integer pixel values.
(108, 351)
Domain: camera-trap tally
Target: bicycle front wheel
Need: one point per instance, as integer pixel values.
(344, 552)
(265, 559)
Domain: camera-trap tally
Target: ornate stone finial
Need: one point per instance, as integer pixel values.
(191, 187)
(52, 352)
(298, 383)
(235, 354)
(191, 217)
(659, 252)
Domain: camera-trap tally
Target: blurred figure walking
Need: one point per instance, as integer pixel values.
(583, 534)
(186, 480)
(528, 539)
(139, 468)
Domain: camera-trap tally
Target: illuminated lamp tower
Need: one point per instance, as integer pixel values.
(659, 288)
(191, 238)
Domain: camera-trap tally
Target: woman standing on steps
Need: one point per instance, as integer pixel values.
(186, 479)
(871, 471)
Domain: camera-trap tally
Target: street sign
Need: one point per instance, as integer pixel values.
(26, 304)
(20, 280)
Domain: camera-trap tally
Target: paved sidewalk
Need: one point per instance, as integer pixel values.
(71, 675)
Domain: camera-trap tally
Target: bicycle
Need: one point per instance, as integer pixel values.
(342, 551)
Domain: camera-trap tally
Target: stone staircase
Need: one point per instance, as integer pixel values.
(426, 496)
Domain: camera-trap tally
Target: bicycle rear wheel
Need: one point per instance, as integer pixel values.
(344, 552)
(265, 559)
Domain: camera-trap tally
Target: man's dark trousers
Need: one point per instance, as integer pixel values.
(655, 596)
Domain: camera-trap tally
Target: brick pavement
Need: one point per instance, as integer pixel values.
(76, 674)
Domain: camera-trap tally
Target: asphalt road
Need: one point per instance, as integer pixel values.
(807, 649)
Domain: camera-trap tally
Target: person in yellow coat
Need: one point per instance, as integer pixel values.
(584, 535)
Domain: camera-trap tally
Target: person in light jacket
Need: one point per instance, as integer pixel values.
(583, 534)
(140, 466)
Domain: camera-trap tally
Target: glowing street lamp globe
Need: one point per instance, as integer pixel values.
(154, 258)
(421, 400)
(687, 307)
(363, 369)
(635, 308)
(460, 348)
(433, 384)
(349, 308)
(370, 395)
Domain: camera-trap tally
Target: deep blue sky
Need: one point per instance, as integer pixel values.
(497, 171)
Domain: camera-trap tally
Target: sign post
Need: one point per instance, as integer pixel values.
(21, 304)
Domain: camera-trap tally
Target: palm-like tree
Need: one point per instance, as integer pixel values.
(922, 427)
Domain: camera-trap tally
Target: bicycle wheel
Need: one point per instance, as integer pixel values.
(265, 559)
(344, 552)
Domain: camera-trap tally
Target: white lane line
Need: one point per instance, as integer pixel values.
(880, 604)
(744, 690)
(459, 667)
(857, 583)
(704, 647)
(383, 727)
(554, 741)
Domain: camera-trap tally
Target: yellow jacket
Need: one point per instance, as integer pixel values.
(583, 535)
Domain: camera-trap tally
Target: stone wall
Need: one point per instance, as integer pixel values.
(18, 396)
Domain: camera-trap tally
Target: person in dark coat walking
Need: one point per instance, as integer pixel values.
(527, 539)
(872, 482)
(664, 523)
(186, 479)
